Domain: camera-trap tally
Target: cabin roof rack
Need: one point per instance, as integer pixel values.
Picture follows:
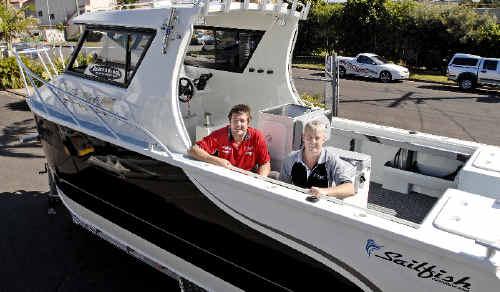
(210, 6)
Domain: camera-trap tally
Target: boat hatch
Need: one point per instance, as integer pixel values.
(488, 159)
(471, 216)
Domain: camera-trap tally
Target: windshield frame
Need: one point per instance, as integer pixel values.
(121, 29)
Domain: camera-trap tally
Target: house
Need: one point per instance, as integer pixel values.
(23, 3)
(53, 12)
(20, 3)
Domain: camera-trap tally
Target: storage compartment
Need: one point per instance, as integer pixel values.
(282, 126)
(405, 181)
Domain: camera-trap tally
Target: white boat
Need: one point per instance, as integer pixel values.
(116, 125)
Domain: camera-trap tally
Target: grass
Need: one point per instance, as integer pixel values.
(429, 77)
(313, 100)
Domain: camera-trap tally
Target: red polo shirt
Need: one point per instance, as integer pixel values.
(252, 150)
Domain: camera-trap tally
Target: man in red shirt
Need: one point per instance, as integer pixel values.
(235, 145)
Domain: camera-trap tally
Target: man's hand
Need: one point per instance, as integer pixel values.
(317, 192)
(264, 169)
(341, 191)
(200, 154)
(221, 162)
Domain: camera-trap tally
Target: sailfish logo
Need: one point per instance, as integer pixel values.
(372, 246)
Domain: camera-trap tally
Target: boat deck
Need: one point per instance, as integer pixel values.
(412, 207)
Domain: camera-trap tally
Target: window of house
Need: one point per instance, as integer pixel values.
(40, 13)
(223, 49)
(490, 65)
(51, 16)
(465, 61)
(110, 55)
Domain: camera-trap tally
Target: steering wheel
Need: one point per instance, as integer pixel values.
(186, 89)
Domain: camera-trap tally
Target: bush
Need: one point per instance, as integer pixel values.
(10, 76)
(313, 100)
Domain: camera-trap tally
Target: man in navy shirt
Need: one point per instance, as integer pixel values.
(318, 168)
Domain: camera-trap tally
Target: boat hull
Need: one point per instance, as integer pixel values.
(154, 208)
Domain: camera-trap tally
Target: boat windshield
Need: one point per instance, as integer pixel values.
(110, 55)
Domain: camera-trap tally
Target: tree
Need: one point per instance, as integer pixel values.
(420, 34)
(127, 1)
(13, 22)
(318, 32)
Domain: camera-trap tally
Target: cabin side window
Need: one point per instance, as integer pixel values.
(225, 49)
(110, 55)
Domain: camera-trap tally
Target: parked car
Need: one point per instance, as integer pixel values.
(470, 71)
(370, 65)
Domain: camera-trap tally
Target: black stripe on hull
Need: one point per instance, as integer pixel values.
(338, 262)
(157, 202)
(202, 258)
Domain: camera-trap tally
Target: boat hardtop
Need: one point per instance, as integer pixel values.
(143, 85)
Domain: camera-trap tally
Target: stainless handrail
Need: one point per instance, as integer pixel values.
(56, 91)
(294, 4)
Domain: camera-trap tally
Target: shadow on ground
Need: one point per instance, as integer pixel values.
(367, 79)
(319, 74)
(20, 105)
(42, 252)
(421, 100)
(9, 140)
(17, 129)
(491, 93)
